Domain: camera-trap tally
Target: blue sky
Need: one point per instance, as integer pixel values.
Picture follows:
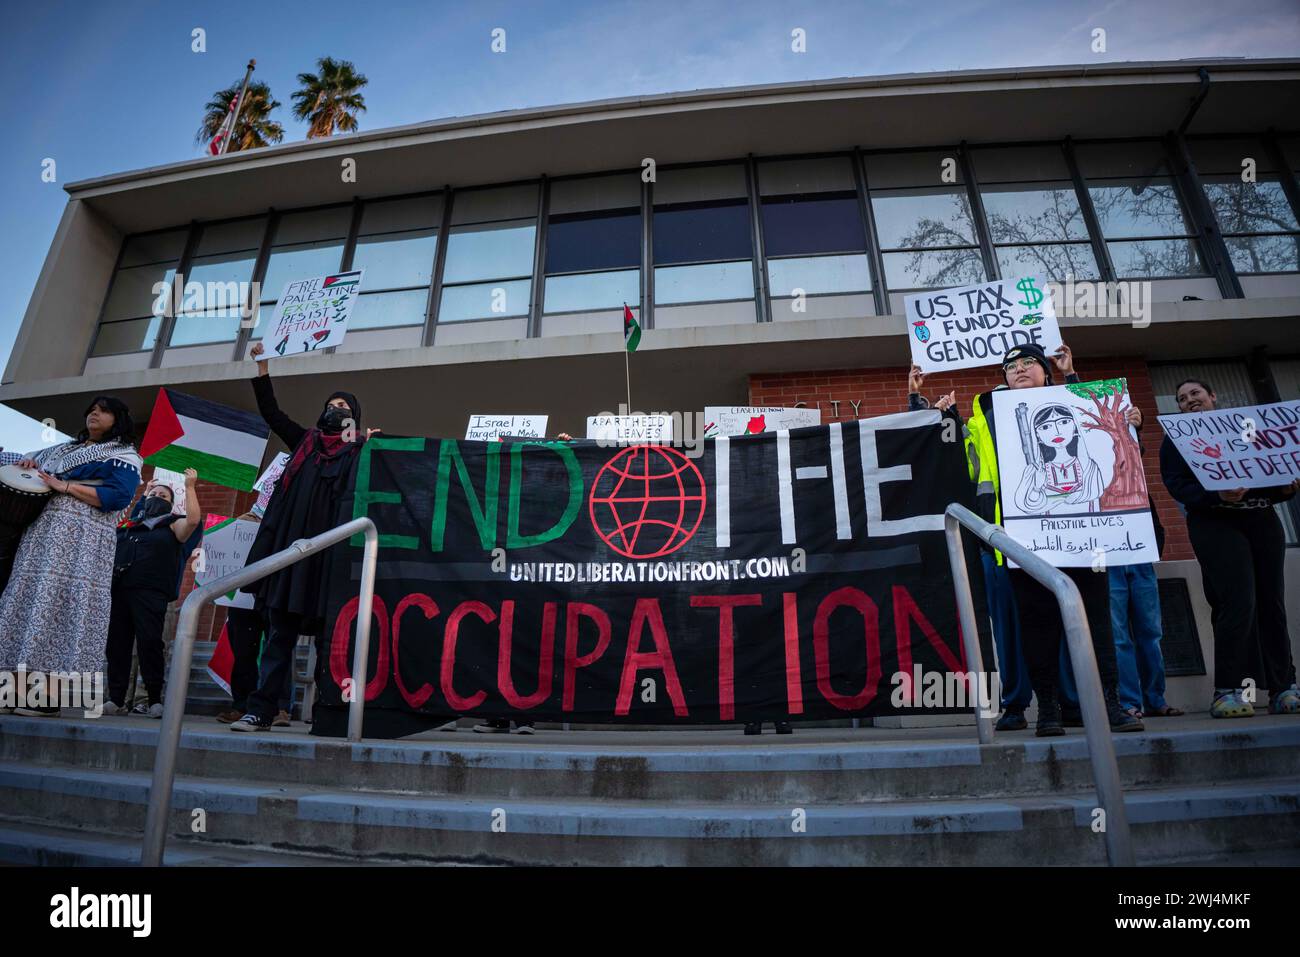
(106, 87)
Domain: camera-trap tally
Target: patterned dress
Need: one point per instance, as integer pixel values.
(54, 611)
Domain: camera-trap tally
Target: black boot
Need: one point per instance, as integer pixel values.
(1120, 720)
(783, 727)
(1049, 714)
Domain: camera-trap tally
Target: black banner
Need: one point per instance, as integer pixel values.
(782, 575)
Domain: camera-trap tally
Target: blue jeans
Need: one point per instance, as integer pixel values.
(1012, 670)
(1135, 620)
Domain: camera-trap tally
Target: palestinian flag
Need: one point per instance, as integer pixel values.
(224, 445)
(631, 330)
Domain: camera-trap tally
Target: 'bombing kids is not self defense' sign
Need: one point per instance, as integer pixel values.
(970, 326)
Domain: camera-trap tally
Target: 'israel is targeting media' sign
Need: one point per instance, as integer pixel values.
(971, 326)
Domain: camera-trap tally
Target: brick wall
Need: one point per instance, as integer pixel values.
(883, 390)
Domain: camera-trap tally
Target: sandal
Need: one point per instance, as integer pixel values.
(1165, 711)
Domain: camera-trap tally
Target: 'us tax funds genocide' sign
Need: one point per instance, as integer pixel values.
(970, 326)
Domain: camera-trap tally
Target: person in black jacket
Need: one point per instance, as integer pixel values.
(305, 503)
(1240, 545)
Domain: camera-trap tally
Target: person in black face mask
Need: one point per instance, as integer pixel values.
(151, 549)
(305, 503)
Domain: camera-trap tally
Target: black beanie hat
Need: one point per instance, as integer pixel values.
(1030, 350)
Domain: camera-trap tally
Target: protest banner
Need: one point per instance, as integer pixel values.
(654, 428)
(490, 427)
(970, 326)
(225, 549)
(312, 314)
(787, 574)
(1070, 474)
(752, 419)
(1253, 446)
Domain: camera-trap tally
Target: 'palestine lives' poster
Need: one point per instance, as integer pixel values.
(781, 575)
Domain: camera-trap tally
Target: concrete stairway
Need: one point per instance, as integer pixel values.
(75, 791)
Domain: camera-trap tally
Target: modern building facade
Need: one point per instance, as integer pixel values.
(766, 237)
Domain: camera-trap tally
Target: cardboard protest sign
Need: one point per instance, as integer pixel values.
(1070, 474)
(225, 549)
(752, 419)
(312, 314)
(1254, 446)
(970, 326)
(489, 428)
(649, 428)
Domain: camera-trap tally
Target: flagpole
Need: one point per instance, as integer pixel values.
(627, 377)
(239, 108)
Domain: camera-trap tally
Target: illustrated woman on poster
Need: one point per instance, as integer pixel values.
(1059, 471)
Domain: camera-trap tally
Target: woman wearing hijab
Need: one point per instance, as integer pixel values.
(305, 504)
(54, 612)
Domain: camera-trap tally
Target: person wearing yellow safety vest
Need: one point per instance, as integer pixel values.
(1041, 628)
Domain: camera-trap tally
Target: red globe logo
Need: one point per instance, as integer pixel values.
(647, 501)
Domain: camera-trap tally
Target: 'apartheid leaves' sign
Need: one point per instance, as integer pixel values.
(788, 574)
(1070, 474)
(653, 427)
(751, 419)
(975, 325)
(312, 314)
(1254, 446)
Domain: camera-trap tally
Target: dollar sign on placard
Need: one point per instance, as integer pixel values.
(1033, 297)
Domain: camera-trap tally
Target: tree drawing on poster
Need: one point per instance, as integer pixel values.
(1072, 481)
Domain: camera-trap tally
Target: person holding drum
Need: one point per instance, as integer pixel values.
(147, 570)
(54, 612)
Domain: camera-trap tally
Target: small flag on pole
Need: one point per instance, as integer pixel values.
(227, 127)
(631, 330)
(224, 445)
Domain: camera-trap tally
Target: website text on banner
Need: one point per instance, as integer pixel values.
(975, 325)
(777, 575)
(1255, 446)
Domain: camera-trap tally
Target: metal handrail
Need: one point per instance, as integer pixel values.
(1078, 638)
(164, 766)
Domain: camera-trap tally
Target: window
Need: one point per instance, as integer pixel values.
(397, 243)
(1142, 219)
(1035, 222)
(1255, 218)
(702, 245)
(593, 246)
(490, 248)
(217, 284)
(139, 292)
(925, 225)
(304, 245)
(813, 234)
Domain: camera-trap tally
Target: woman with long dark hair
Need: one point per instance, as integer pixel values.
(54, 612)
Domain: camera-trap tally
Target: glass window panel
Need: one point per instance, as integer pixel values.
(392, 260)
(921, 219)
(491, 205)
(1257, 254)
(314, 225)
(1055, 262)
(490, 251)
(478, 301)
(378, 310)
(699, 232)
(395, 215)
(796, 225)
(827, 175)
(602, 290)
(239, 236)
(225, 267)
(154, 248)
(1139, 161)
(1259, 207)
(1155, 258)
(1146, 207)
(137, 335)
(704, 283)
(302, 261)
(818, 274)
(134, 294)
(588, 241)
(590, 193)
(890, 171)
(218, 283)
(1225, 156)
(701, 184)
(1030, 164)
(928, 270)
(219, 325)
(1019, 215)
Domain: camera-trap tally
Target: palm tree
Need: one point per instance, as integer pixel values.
(255, 127)
(328, 99)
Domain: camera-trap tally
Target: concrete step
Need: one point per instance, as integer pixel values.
(1167, 823)
(839, 766)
